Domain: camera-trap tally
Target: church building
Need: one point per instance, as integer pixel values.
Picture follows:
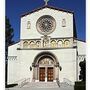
(48, 50)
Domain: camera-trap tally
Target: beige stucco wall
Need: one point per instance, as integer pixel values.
(81, 46)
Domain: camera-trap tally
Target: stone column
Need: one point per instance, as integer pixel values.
(37, 73)
(45, 74)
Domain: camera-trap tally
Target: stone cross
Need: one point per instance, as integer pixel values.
(46, 2)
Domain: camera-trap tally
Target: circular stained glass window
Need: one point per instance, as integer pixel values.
(46, 24)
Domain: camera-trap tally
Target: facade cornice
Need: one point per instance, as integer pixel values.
(45, 48)
(46, 6)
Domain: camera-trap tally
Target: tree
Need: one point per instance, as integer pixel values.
(9, 33)
(82, 75)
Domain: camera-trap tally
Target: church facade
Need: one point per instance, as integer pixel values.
(48, 49)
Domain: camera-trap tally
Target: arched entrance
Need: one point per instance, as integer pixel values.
(45, 67)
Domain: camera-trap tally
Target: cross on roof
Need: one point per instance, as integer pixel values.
(46, 2)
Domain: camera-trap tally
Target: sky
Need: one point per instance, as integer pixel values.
(15, 8)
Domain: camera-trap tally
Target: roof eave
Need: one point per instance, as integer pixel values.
(46, 6)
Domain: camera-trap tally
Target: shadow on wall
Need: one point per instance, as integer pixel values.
(11, 85)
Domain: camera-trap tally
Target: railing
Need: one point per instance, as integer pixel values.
(81, 57)
(19, 81)
(58, 82)
(12, 57)
(24, 82)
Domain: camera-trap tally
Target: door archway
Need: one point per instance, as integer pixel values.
(45, 67)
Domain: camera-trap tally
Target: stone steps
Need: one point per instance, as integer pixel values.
(41, 85)
(28, 88)
(44, 86)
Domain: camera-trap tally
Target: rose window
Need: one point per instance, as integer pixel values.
(46, 25)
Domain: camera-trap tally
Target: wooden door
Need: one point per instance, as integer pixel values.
(41, 74)
(50, 74)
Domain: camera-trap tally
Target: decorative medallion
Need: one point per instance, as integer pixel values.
(46, 25)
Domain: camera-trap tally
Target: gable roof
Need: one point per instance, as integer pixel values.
(46, 6)
(58, 9)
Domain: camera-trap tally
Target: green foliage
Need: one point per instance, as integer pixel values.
(82, 75)
(80, 86)
(9, 32)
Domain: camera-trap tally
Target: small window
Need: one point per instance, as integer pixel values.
(28, 25)
(46, 61)
(66, 43)
(60, 43)
(25, 44)
(53, 43)
(32, 44)
(63, 22)
(38, 43)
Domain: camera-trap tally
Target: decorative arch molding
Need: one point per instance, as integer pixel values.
(45, 54)
(53, 43)
(45, 67)
(25, 44)
(67, 43)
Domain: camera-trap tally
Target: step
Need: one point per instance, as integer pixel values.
(28, 88)
(42, 85)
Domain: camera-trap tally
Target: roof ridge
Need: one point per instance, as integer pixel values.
(47, 6)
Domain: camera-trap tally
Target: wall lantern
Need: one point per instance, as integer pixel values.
(30, 68)
(60, 68)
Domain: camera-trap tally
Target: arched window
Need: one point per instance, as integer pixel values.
(53, 43)
(46, 61)
(32, 44)
(38, 43)
(66, 43)
(28, 25)
(25, 44)
(64, 22)
(60, 42)
(47, 56)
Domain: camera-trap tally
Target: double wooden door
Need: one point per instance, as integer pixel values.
(42, 74)
(48, 73)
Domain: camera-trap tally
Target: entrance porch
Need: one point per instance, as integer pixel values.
(45, 68)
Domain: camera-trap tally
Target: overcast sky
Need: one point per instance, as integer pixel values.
(14, 8)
